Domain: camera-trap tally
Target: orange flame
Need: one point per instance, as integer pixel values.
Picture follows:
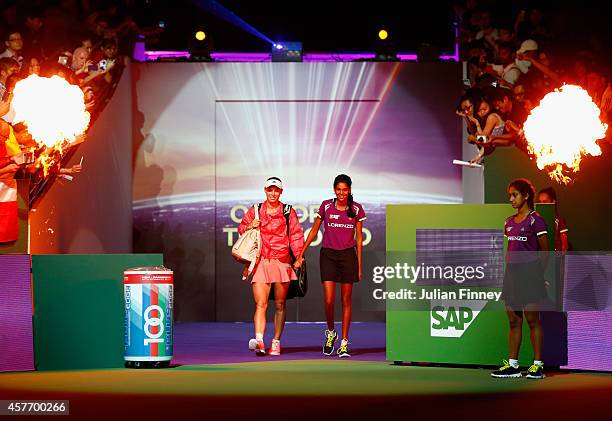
(563, 129)
(54, 113)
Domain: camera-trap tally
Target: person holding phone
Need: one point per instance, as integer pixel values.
(488, 123)
(81, 65)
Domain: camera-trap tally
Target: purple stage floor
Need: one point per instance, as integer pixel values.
(214, 343)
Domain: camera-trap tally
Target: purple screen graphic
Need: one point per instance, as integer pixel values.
(16, 314)
(588, 289)
(589, 340)
(463, 247)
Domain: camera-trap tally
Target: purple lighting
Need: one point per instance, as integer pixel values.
(242, 57)
(263, 57)
(321, 57)
(154, 55)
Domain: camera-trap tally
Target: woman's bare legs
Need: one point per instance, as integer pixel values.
(329, 294)
(261, 292)
(280, 299)
(347, 308)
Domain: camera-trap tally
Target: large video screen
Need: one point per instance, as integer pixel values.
(207, 136)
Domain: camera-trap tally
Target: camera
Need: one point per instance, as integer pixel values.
(24, 158)
(63, 60)
(161, 24)
(102, 64)
(92, 67)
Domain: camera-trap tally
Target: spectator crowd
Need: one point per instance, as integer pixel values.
(515, 56)
(85, 42)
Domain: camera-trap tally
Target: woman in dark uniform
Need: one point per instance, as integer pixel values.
(524, 286)
(340, 258)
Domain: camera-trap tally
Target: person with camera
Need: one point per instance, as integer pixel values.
(273, 270)
(465, 110)
(340, 257)
(81, 65)
(101, 70)
(488, 123)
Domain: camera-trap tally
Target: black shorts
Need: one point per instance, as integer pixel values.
(339, 265)
(523, 284)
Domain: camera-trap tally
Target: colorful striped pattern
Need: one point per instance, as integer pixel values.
(148, 320)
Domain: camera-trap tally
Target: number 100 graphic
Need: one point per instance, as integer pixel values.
(148, 322)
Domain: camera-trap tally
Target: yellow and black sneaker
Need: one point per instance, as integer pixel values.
(536, 371)
(507, 370)
(330, 339)
(343, 351)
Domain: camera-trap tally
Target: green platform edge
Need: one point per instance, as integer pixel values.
(78, 309)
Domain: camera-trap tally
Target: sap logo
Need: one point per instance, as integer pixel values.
(517, 238)
(332, 216)
(451, 319)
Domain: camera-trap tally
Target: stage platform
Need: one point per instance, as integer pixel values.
(216, 376)
(213, 343)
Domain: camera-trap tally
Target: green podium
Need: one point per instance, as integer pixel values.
(449, 329)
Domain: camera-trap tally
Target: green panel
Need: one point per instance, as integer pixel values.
(485, 341)
(403, 220)
(21, 245)
(78, 308)
(585, 203)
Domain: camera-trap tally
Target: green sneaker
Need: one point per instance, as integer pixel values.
(343, 351)
(506, 371)
(535, 372)
(330, 340)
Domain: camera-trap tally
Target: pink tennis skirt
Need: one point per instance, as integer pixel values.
(270, 271)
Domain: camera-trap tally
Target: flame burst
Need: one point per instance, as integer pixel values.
(54, 113)
(563, 129)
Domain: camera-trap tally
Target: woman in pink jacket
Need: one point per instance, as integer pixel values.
(274, 267)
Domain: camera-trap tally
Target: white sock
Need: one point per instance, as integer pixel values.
(259, 336)
(538, 363)
(276, 341)
(513, 362)
(344, 342)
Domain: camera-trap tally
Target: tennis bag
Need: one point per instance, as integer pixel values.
(248, 247)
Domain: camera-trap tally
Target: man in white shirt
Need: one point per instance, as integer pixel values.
(528, 50)
(14, 45)
(507, 69)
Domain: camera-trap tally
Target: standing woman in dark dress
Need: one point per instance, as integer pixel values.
(340, 258)
(524, 285)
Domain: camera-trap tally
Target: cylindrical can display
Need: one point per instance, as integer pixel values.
(149, 302)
